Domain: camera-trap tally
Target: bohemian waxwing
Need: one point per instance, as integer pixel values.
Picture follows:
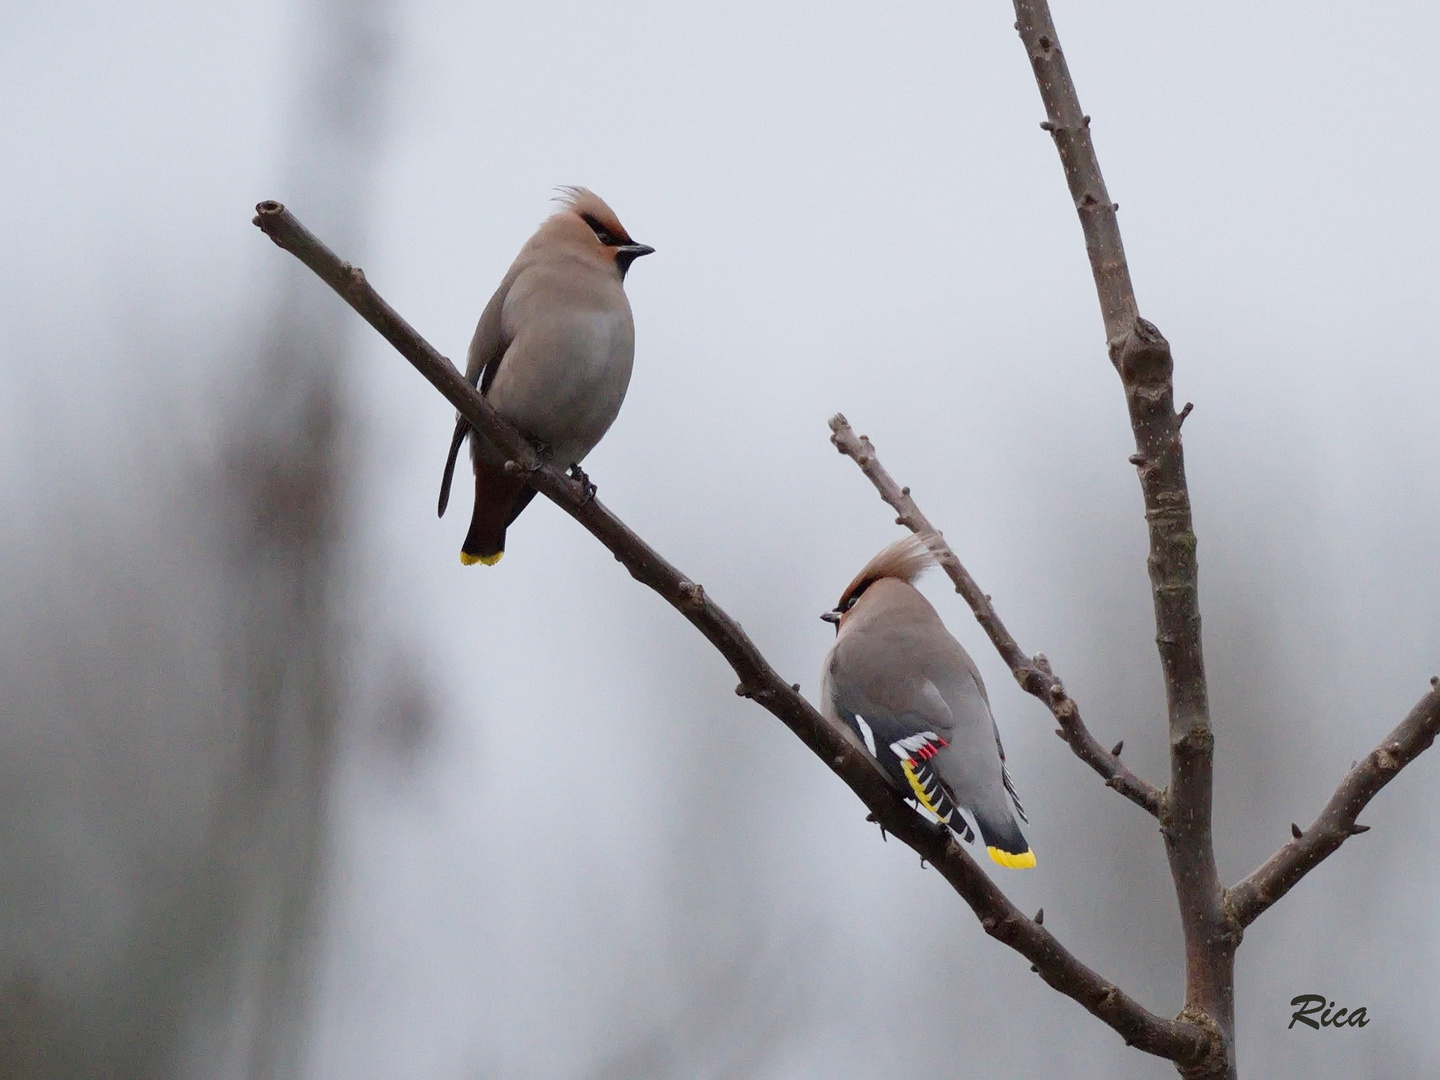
(912, 694)
(552, 354)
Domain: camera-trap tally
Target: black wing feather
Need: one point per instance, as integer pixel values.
(486, 377)
(884, 734)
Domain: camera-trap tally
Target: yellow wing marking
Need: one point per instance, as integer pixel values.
(918, 788)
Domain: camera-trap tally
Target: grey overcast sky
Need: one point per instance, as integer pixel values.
(597, 861)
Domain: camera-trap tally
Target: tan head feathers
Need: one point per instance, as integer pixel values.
(905, 559)
(592, 210)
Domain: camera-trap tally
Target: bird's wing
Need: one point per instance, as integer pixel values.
(1005, 776)
(1009, 782)
(487, 350)
(487, 347)
(905, 740)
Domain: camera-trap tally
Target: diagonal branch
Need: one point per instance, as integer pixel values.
(1032, 673)
(1248, 900)
(1142, 356)
(1180, 1041)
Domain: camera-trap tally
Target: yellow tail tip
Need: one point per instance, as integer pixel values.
(466, 559)
(1024, 861)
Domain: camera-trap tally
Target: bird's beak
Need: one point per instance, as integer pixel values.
(831, 617)
(626, 254)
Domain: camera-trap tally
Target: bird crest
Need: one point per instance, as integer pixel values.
(593, 210)
(905, 559)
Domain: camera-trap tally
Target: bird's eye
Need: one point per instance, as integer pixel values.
(604, 235)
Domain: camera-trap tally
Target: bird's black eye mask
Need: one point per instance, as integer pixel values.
(847, 602)
(850, 599)
(604, 235)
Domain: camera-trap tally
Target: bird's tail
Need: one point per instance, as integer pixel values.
(1004, 842)
(499, 498)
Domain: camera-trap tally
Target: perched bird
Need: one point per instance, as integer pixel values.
(552, 354)
(912, 694)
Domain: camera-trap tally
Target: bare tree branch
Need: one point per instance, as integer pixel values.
(1179, 1040)
(1142, 356)
(1248, 900)
(1032, 673)
(1070, 128)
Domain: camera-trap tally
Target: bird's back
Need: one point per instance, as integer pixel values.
(897, 658)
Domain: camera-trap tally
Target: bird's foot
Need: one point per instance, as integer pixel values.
(578, 474)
